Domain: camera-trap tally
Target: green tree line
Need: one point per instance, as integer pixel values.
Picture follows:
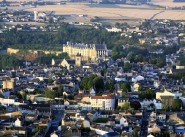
(35, 39)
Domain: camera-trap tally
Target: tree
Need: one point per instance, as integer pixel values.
(131, 56)
(148, 94)
(109, 85)
(125, 87)
(118, 108)
(135, 105)
(165, 134)
(135, 133)
(138, 58)
(160, 62)
(140, 87)
(71, 97)
(23, 94)
(125, 106)
(165, 107)
(59, 91)
(98, 83)
(183, 79)
(8, 61)
(50, 81)
(50, 94)
(2, 108)
(51, 20)
(127, 66)
(87, 82)
(176, 105)
(103, 72)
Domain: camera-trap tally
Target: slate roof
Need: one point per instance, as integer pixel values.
(70, 61)
(100, 46)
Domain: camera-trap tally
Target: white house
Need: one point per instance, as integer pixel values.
(113, 29)
(154, 128)
(18, 123)
(120, 78)
(92, 92)
(137, 78)
(9, 101)
(156, 84)
(161, 117)
(147, 103)
(123, 122)
(150, 136)
(158, 104)
(53, 135)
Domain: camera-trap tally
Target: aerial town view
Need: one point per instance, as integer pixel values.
(92, 68)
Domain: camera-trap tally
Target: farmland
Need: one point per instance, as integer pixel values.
(168, 3)
(116, 12)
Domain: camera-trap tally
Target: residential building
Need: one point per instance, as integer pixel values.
(8, 84)
(167, 93)
(104, 102)
(167, 97)
(113, 29)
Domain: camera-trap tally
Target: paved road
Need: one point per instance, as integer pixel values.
(53, 125)
(144, 124)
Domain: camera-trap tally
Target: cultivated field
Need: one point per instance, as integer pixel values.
(32, 23)
(168, 3)
(112, 13)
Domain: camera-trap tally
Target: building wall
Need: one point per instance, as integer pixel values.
(104, 104)
(78, 60)
(165, 93)
(87, 53)
(121, 102)
(64, 63)
(8, 84)
(12, 51)
(180, 67)
(175, 118)
(15, 51)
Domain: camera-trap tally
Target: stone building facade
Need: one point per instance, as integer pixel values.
(88, 52)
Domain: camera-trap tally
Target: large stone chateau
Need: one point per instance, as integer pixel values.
(90, 52)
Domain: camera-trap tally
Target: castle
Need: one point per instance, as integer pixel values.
(88, 52)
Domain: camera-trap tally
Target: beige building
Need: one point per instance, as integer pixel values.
(91, 52)
(167, 97)
(104, 102)
(8, 84)
(178, 117)
(175, 95)
(46, 52)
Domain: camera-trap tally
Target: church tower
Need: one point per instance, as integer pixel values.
(52, 62)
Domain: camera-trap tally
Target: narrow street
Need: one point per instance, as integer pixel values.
(53, 125)
(144, 125)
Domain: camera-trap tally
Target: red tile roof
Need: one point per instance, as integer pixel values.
(102, 97)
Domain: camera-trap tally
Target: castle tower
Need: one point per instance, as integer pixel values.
(78, 60)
